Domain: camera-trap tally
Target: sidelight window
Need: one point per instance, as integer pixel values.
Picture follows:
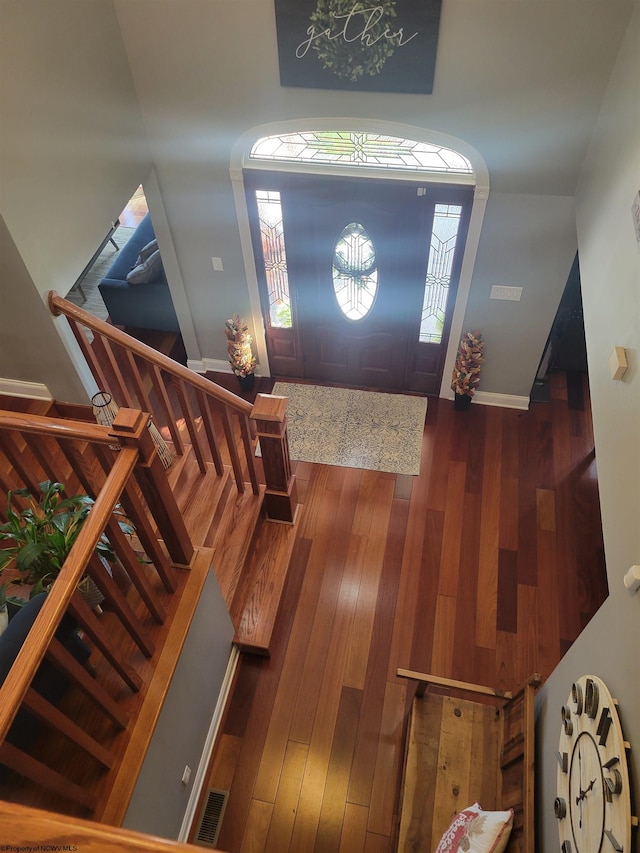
(275, 258)
(444, 234)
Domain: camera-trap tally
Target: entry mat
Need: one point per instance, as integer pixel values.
(354, 429)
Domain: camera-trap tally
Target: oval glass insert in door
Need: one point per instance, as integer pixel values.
(355, 272)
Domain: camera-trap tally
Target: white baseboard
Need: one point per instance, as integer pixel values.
(203, 766)
(196, 364)
(33, 390)
(484, 398)
(213, 365)
(204, 365)
(505, 401)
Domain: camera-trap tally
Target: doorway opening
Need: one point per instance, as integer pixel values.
(357, 277)
(125, 283)
(566, 347)
(84, 292)
(358, 153)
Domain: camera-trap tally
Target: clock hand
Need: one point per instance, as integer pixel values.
(584, 793)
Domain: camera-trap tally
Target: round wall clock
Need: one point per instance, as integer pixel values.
(593, 802)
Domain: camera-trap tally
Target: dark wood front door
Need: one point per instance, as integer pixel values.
(357, 255)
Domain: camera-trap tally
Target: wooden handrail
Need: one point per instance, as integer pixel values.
(21, 825)
(439, 681)
(58, 305)
(57, 601)
(425, 679)
(129, 369)
(133, 478)
(58, 428)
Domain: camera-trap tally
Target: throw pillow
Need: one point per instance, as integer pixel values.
(146, 271)
(477, 831)
(147, 250)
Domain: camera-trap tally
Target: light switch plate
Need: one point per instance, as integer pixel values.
(217, 264)
(512, 294)
(618, 363)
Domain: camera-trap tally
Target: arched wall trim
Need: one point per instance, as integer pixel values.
(480, 179)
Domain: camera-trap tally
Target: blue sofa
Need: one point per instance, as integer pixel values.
(145, 305)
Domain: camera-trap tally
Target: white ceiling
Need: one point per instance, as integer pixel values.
(523, 81)
(520, 80)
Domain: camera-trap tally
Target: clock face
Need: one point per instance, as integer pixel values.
(593, 803)
(586, 794)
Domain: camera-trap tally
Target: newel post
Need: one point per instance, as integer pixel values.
(131, 428)
(269, 414)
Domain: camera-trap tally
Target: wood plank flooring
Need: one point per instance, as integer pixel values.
(485, 568)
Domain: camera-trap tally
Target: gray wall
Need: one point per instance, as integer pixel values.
(160, 799)
(73, 151)
(527, 241)
(610, 271)
(97, 94)
(206, 71)
(31, 350)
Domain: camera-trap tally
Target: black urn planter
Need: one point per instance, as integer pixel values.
(247, 382)
(461, 402)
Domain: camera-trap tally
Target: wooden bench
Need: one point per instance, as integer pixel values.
(459, 751)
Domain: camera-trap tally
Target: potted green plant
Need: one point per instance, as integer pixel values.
(466, 371)
(241, 358)
(40, 537)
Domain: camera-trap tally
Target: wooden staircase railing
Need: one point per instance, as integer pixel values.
(137, 376)
(23, 828)
(118, 467)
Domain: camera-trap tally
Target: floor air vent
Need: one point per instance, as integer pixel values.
(211, 818)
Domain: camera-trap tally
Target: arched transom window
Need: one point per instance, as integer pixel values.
(350, 148)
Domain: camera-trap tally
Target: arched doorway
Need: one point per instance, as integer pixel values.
(318, 203)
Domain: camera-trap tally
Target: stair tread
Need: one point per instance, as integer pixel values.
(233, 537)
(267, 571)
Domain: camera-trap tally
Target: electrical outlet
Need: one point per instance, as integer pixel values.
(513, 294)
(217, 264)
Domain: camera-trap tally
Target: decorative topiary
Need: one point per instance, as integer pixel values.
(241, 359)
(466, 371)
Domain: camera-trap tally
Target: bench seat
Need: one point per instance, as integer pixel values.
(466, 744)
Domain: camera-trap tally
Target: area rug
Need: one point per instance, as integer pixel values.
(354, 429)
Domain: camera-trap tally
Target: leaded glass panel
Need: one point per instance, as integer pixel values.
(355, 274)
(446, 224)
(349, 148)
(275, 257)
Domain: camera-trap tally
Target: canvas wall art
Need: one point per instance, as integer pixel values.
(360, 46)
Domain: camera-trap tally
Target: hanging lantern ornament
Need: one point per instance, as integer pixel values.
(104, 411)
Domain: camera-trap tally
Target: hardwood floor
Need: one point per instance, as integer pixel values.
(485, 568)
(135, 211)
